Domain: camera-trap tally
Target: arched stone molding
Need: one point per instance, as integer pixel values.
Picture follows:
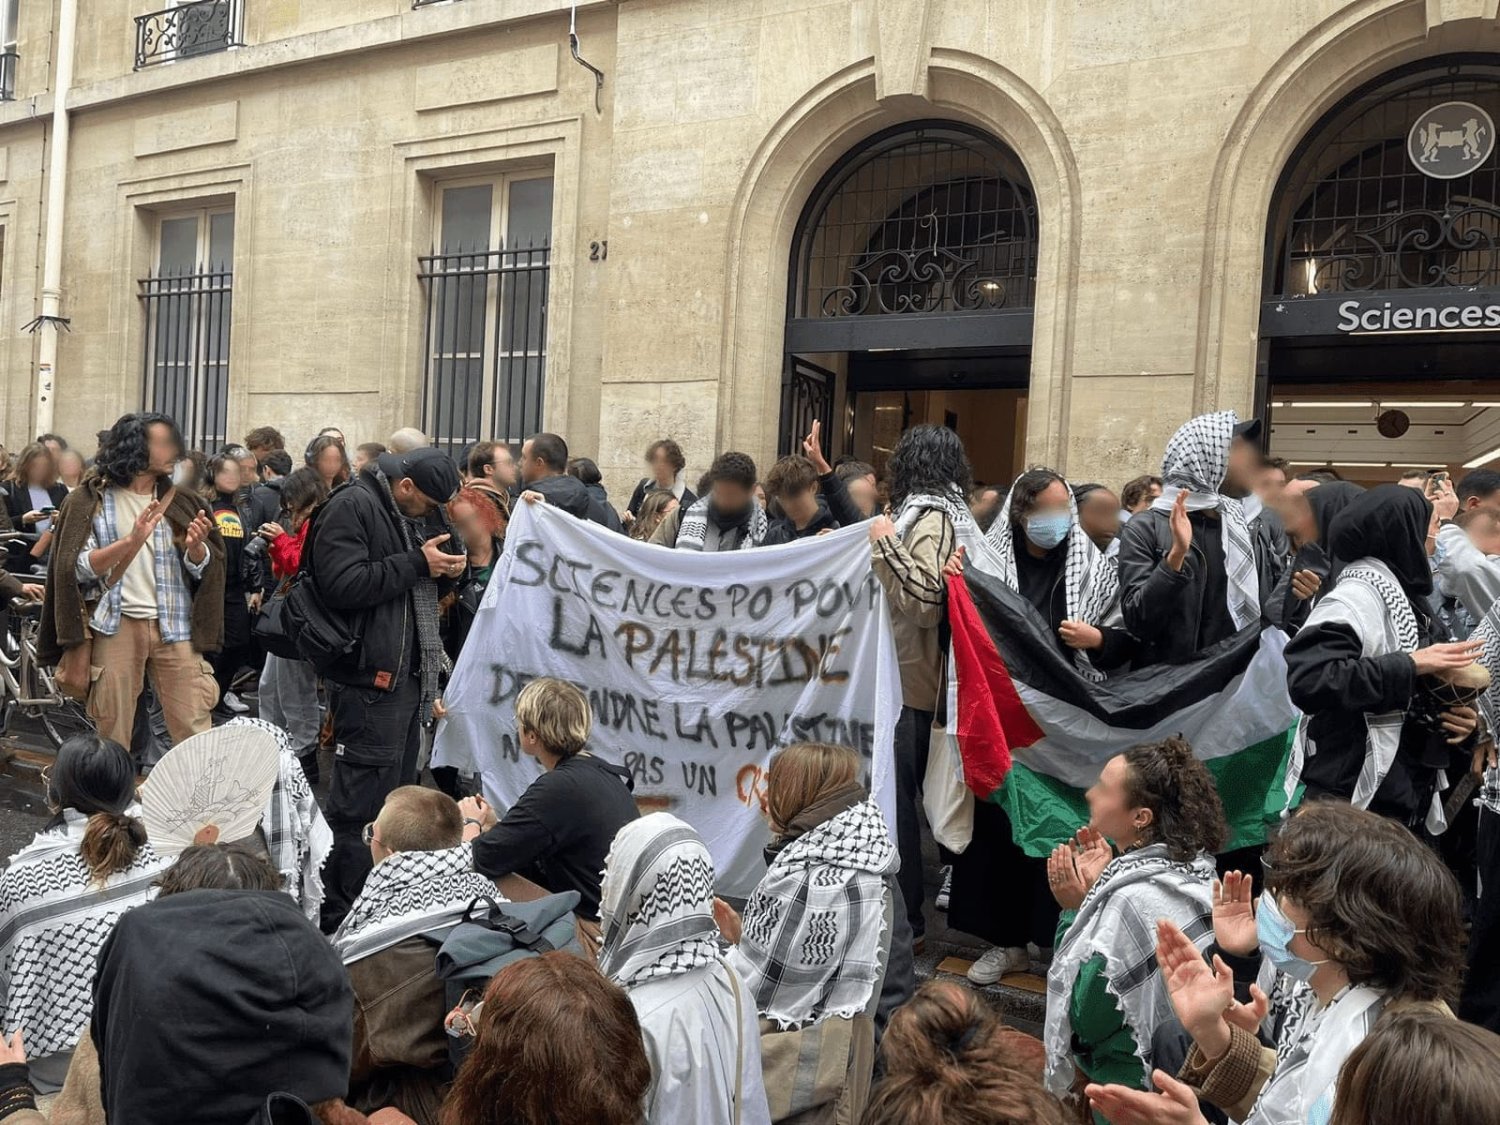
(833, 117)
(1353, 46)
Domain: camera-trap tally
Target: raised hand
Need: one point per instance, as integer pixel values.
(1453, 654)
(146, 522)
(1234, 914)
(1200, 995)
(197, 536)
(1249, 1017)
(1094, 855)
(1182, 532)
(812, 449)
(1171, 1103)
(1063, 879)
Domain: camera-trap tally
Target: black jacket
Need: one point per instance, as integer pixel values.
(603, 511)
(463, 604)
(645, 485)
(573, 496)
(558, 834)
(835, 510)
(17, 504)
(1171, 612)
(264, 505)
(363, 569)
(1043, 583)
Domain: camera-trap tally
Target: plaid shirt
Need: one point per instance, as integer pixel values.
(174, 602)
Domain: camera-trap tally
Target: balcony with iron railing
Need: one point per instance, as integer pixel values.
(188, 30)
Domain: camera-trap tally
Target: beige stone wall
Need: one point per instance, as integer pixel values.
(1152, 132)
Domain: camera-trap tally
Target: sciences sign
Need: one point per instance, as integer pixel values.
(698, 666)
(1383, 314)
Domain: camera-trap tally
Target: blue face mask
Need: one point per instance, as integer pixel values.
(1048, 529)
(1275, 932)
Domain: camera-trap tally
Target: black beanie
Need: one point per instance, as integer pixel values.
(208, 1001)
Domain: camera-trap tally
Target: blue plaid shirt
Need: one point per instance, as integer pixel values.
(174, 603)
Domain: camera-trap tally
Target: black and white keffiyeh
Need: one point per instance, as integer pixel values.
(1197, 461)
(434, 665)
(1488, 633)
(656, 908)
(1312, 1043)
(692, 533)
(1118, 919)
(410, 893)
(812, 936)
(298, 839)
(1091, 581)
(54, 920)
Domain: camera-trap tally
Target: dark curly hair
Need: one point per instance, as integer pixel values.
(928, 459)
(1186, 814)
(671, 449)
(1378, 901)
(1029, 485)
(124, 454)
(734, 468)
(1138, 489)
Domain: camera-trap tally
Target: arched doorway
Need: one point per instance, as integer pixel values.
(1380, 328)
(912, 285)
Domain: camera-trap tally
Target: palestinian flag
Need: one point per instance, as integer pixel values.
(1033, 733)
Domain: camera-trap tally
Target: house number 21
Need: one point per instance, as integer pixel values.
(598, 251)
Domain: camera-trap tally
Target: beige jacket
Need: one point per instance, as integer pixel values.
(911, 571)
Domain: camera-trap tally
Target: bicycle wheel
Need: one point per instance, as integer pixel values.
(64, 719)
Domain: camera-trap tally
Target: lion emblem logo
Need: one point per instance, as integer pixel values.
(1451, 140)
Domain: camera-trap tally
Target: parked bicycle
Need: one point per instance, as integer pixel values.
(26, 684)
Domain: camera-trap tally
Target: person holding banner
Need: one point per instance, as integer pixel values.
(559, 833)
(930, 481)
(728, 517)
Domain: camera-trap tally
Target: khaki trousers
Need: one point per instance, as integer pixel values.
(183, 680)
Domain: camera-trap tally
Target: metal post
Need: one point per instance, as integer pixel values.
(57, 189)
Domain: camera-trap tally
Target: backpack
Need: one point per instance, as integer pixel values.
(319, 635)
(483, 943)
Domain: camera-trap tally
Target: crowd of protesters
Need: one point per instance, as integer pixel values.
(396, 950)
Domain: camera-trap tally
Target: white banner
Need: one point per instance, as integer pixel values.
(698, 666)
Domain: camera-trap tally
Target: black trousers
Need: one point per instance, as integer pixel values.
(913, 736)
(999, 892)
(1480, 1002)
(380, 740)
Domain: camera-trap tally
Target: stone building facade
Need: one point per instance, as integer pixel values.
(367, 213)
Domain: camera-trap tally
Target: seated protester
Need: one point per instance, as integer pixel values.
(660, 944)
(544, 472)
(816, 943)
(655, 507)
(586, 472)
(1358, 918)
(666, 462)
(1038, 548)
(554, 1042)
(1105, 996)
(1420, 1067)
(297, 838)
(558, 833)
(1357, 666)
(64, 893)
(947, 1058)
(251, 1001)
(727, 518)
(1195, 567)
(1467, 553)
(864, 489)
(810, 495)
(423, 881)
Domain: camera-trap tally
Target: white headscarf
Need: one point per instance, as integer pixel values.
(1196, 462)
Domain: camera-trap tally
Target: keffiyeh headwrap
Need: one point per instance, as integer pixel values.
(813, 936)
(1197, 461)
(656, 908)
(1091, 582)
(410, 893)
(298, 839)
(434, 660)
(692, 533)
(1118, 919)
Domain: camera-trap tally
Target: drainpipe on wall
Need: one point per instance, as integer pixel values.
(51, 320)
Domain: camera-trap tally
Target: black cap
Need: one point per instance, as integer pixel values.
(1250, 430)
(430, 469)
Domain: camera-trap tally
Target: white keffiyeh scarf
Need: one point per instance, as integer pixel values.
(1118, 919)
(54, 920)
(812, 938)
(656, 906)
(1197, 461)
(1488, 632)
(298, 839)
(692, 533)
(410, 893)
(1311, 1046)
(1091, 582)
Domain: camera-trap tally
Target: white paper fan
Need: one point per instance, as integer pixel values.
(217, 783)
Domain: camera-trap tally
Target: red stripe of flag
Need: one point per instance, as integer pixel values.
(991, 717)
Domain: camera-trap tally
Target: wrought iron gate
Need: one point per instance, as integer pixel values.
(187, 351)
(806, 397)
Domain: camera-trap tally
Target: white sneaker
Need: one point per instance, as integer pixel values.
(997, 962)
(946, 890)
(232, 702)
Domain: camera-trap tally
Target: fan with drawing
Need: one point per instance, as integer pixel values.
(210, 788)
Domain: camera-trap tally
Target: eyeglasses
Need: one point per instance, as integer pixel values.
(369, 834)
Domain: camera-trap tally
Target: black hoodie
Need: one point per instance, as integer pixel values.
(574, 497)
(206, 1002)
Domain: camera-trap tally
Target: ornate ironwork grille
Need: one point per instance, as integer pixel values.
(1355, 214)
(187, 350)
(806, 397)
(934, 218)
(181, 32)
(486, 344)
